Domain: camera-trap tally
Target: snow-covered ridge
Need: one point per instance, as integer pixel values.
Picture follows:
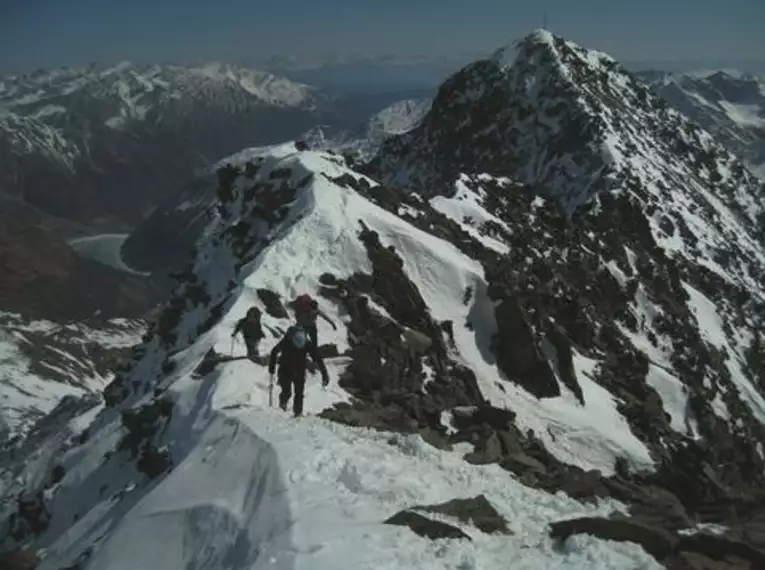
(298, 465)
(183, 217)
(365, 141)
(579, 366)
(207, 439)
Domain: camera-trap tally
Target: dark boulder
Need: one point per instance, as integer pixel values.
(518, 353)
(19, 559)
(425, 527)
(720, 547)
(272, 301)
(477, 511)
(656, 541)
(696, 561)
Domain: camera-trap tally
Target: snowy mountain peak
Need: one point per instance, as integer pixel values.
(544, 48)
(571, 123)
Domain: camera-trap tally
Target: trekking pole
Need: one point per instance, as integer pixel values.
(231, 351)
(271, 391)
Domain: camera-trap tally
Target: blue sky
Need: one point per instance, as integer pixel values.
(44, 33)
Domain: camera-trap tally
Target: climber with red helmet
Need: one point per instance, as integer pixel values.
(291, 354)
(306, 313)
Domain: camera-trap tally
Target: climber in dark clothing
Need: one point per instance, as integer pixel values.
(306, 313)
(251, 330)
(291, 354)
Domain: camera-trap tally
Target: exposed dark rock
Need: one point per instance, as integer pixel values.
(657, 542)
(19, 559)
(722, 547)
(328, 279)
(518, 354)
(142, 424)
(425, 527)
(477, 511)
(208, 364)
(651, 503)
(328, 351)
(57, 474)
(273, 303)
(31, 518)
(564, 359)
(153, 462)
(696, 561)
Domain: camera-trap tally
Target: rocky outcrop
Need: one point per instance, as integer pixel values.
(426, 527)
(272, 303)
(386, 373)
(143, 425)
(686, 550)
(657, 542)
(19, 559)
(519, 355)
(477, 511)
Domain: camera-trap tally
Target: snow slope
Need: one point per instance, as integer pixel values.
(252, 488)
(728, 104)
(42, 362)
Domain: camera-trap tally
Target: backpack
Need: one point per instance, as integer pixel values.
(297, 336)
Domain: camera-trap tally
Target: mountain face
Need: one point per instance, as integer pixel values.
(43, 363)
(112, 141)
(164, 238)
(365, 141)
(728, 105)
(560, 361)
(44, 278)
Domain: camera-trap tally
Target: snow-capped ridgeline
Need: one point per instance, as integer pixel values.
(138, 87)
(580, 366)
(568, 121)
(186, 213)
(324, 489)
(115, 142)
(46, 111)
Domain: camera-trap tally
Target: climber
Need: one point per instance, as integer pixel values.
(251, 330)
(306, 312)
(291, 353)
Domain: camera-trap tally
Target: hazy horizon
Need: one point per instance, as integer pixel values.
(51, 33)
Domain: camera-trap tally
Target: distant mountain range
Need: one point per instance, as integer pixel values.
(94, 150)
(113, 141)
